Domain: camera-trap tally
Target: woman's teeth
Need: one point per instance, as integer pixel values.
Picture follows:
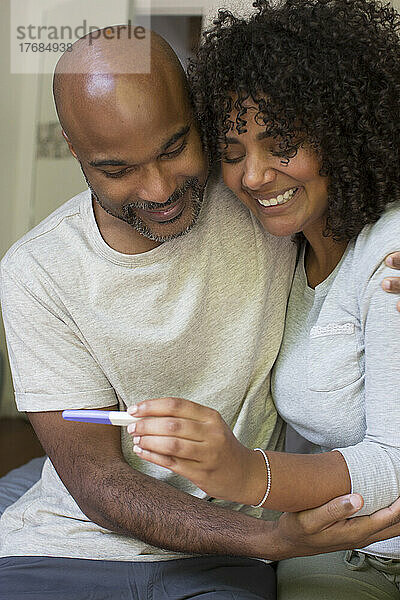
(281, 199)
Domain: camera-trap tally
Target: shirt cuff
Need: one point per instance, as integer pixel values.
(43, 402)
(373, 474)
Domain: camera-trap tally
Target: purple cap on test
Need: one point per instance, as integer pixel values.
(87, 416)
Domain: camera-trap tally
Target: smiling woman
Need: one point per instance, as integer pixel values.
(286, 196)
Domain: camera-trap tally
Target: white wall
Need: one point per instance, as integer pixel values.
(238, 7)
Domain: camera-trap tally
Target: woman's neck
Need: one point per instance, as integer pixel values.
(321, 256)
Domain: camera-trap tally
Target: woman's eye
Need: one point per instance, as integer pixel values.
(232, 159)
(285, 150)
(279, 151)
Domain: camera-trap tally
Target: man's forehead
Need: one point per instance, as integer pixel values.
(128, 118)
(127, 94)
(136, 149)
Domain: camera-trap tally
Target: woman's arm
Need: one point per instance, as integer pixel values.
(195, 442)
(374, 463)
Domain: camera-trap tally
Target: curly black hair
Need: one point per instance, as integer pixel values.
(323, 71)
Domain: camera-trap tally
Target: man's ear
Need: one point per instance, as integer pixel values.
(71, 149)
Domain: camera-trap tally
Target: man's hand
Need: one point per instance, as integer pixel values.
(392, 284)
(328, 528)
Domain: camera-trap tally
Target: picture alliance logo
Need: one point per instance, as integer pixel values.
(67, 33)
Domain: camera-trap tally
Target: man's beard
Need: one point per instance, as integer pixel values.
(129, 215)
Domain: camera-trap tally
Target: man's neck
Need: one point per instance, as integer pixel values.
(119, 235)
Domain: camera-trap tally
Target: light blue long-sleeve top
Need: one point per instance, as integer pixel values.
(337, 377)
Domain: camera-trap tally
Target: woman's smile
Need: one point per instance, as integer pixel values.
(276, 199)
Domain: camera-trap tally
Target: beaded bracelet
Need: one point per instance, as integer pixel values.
(268, 478)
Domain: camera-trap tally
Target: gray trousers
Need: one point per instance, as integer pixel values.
(202, 578)
(346, 575)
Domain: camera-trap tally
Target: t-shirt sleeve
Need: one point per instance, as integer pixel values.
(51, 365)
(374, 463)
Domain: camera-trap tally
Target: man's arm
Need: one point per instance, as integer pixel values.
(89, 461)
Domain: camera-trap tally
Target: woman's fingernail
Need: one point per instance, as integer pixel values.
(132, 409)
(137, 449)
(389, 261)
(136, 440)
(131, 428)
(387, 284)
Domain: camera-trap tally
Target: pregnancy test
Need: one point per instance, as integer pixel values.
(105, 417)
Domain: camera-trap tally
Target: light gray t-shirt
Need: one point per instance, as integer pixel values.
(337, 377)
(200, 317)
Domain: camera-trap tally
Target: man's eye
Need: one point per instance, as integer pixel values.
(174, 152)
(115, 174)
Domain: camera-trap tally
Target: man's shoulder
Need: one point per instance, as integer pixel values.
(44, 235)
(224, 208)
(218, 192)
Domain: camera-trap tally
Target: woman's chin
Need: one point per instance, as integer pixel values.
(278, 229)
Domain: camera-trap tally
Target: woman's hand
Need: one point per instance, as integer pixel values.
(194, 441)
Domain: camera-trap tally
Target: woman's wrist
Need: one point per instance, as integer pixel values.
(256, 478)
(268, 478)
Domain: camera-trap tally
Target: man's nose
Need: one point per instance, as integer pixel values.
(156, 184)
(257, 173)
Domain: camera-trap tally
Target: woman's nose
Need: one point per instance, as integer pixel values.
(257, 174)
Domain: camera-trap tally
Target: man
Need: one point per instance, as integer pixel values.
(107, 302)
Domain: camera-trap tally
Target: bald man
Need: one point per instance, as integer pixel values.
(153, 282)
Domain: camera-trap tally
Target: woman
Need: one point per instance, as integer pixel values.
(302, 105)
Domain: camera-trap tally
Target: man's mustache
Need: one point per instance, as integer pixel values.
(189, 183)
